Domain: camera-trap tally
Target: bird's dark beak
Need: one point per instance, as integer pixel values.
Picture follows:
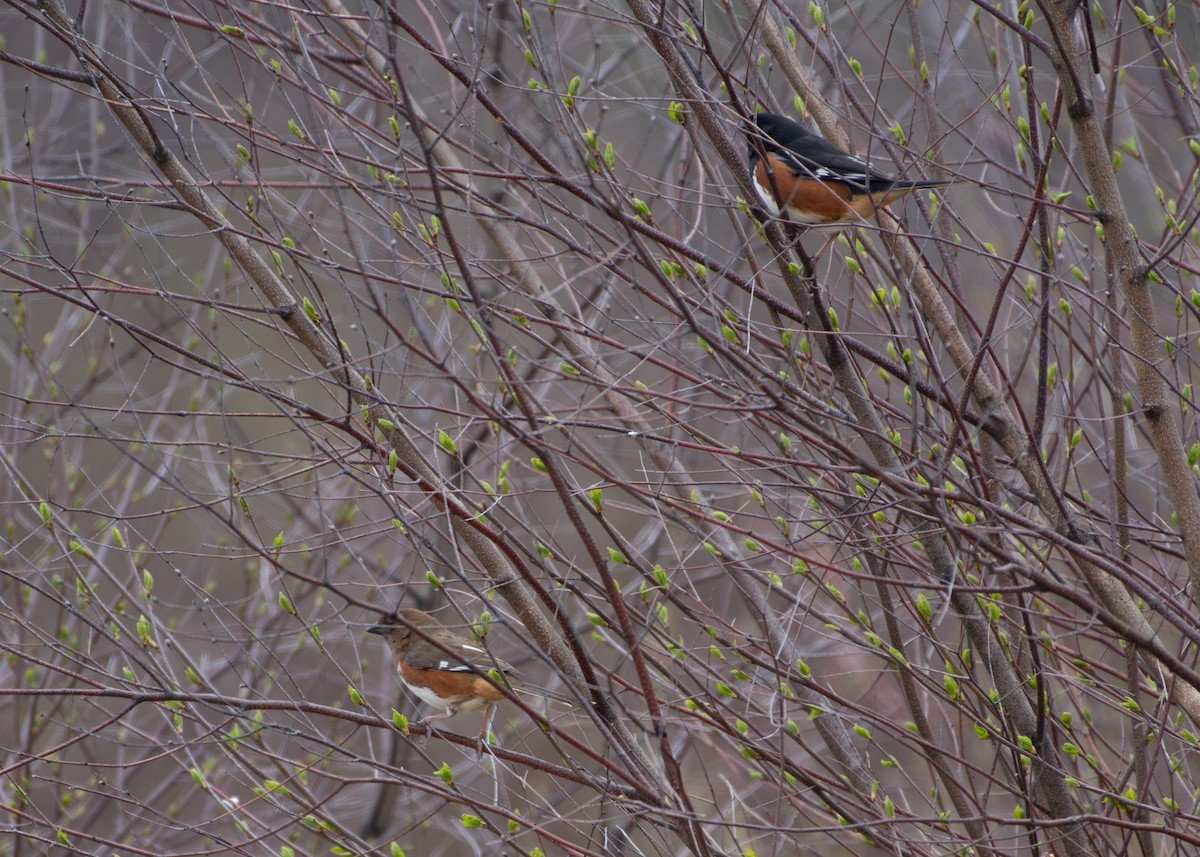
(377, 629)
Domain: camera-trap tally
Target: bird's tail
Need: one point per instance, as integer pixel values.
(531, 690)
(919, 184)
(884, 193)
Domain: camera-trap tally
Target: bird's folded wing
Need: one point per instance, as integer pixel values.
(462, 657)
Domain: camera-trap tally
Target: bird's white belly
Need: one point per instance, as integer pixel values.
(794, 214)
(428, 696)
(766, 198)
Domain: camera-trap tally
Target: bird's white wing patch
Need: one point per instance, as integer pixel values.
(453, 666)
(827, 174)
(854, 170)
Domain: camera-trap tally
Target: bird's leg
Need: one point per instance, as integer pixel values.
(483, 731)
(429, 718)
(793, 230)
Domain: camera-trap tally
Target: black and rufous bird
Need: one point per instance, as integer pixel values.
(813, 181)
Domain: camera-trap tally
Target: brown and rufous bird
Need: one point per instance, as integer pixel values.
(443, 668)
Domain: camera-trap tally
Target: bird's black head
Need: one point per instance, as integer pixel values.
(772, 133)
(781, 130)
(770, 123)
